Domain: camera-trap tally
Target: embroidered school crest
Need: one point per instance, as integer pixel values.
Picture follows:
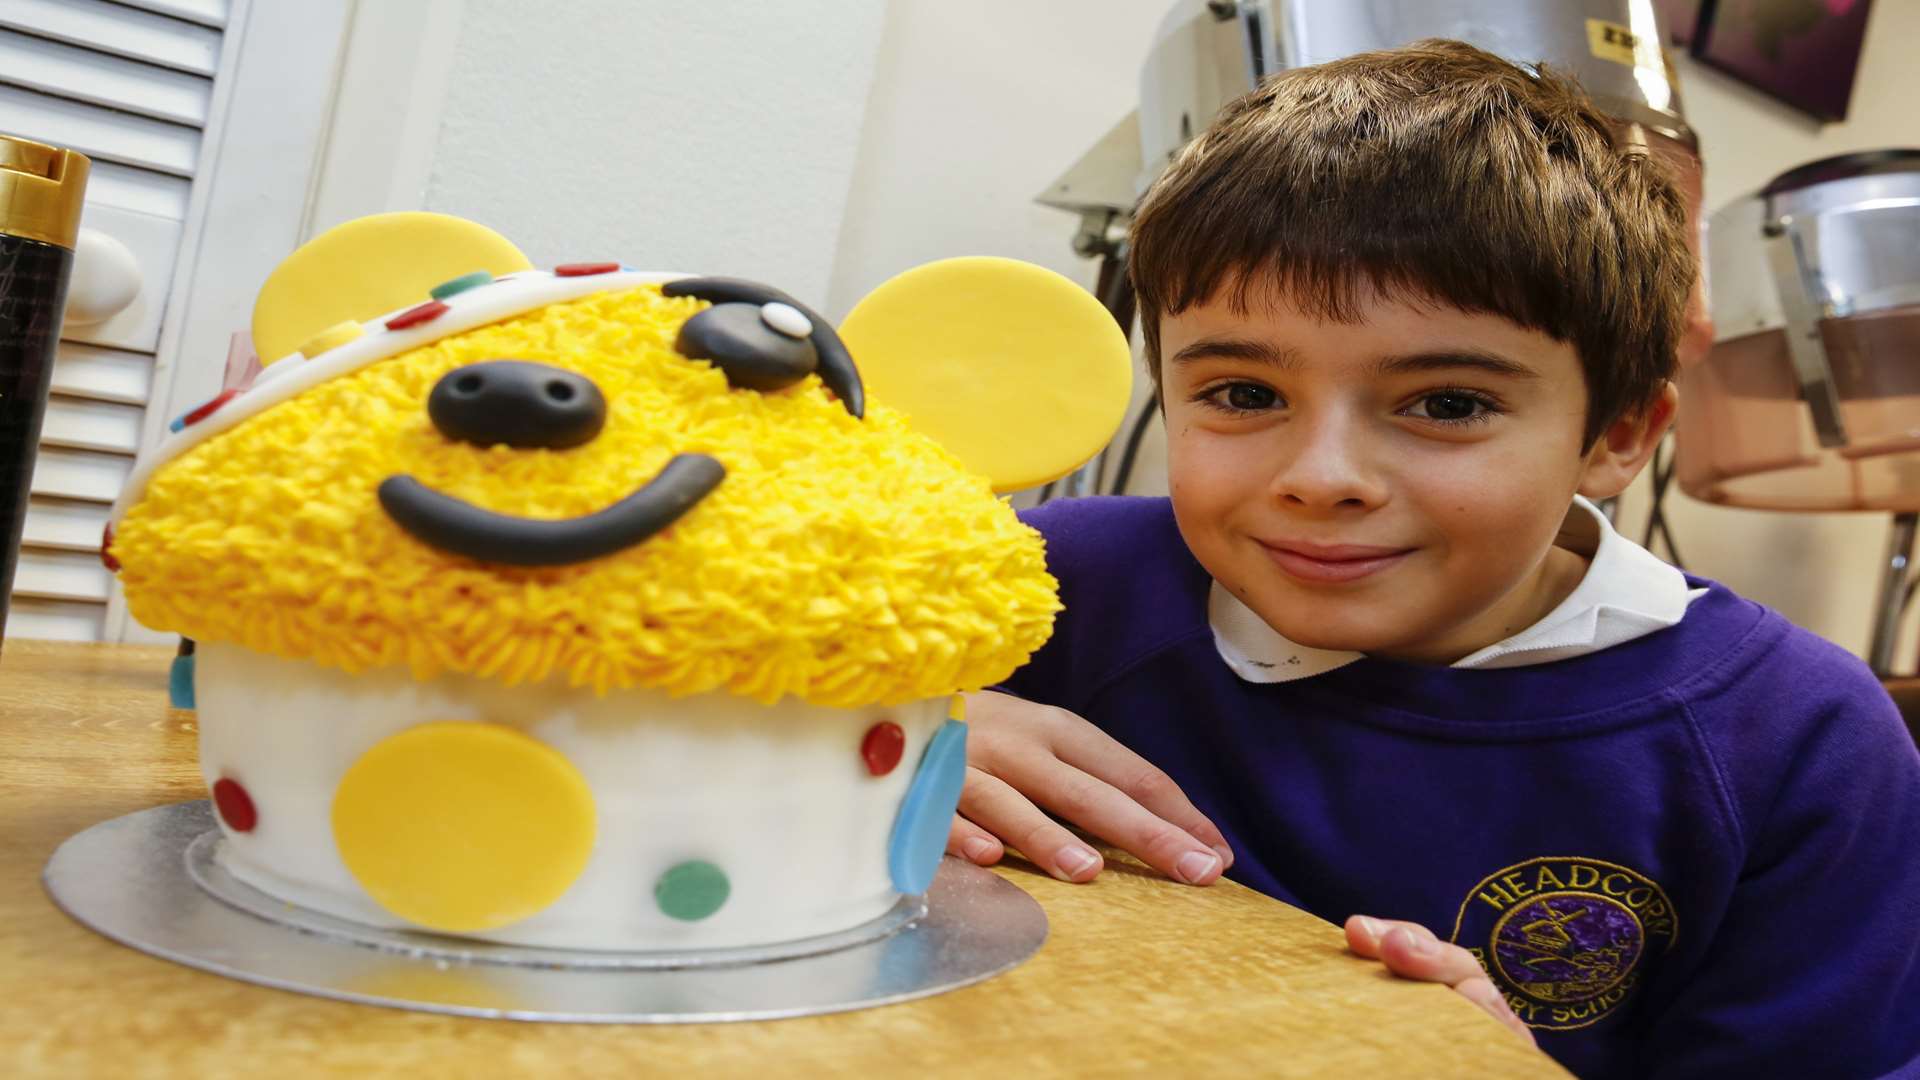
(1565, 938)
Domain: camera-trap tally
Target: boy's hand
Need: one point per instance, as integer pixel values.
(1410, 951)
(1020, 754)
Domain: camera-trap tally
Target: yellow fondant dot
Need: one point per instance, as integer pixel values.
(1018, 371)
(331, 338)
(463, 827)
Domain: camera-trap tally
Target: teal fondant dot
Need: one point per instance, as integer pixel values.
(460, 284)
(691, 891)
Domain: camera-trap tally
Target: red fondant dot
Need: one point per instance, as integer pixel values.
(106, 556)
(882, 747)
(585, 269)
(209, 408)
(235, 805)
(416, 315)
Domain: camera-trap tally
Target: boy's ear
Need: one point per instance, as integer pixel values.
(1624, 447)
(1016, 370)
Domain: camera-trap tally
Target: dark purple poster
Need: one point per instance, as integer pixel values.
(1803, 52)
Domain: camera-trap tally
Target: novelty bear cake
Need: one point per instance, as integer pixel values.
(598, 608)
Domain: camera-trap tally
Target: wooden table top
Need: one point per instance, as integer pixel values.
(1137, 974)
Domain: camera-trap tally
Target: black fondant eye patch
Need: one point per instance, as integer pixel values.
(741, 341)
(835, 363)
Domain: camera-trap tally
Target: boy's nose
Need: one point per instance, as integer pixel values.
(519, 403)
(1325, 467)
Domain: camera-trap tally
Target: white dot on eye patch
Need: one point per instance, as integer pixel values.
(786, 319)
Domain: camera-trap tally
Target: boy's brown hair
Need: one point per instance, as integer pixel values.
(1435, 172)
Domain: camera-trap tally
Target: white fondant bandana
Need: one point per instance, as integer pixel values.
(1627, 593)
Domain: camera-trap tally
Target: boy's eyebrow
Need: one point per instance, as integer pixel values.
(1260, 352)
(1444, 359)
(1286, 357)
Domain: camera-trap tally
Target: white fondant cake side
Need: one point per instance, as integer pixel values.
(778, 797)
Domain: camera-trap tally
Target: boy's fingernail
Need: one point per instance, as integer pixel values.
(1195, 865)
(977, 849)
(1417, 944)
(1075, 861)
(1371, 927)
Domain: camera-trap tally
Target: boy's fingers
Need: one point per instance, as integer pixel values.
(1411, 951)
(1110, 814)
(993, 804)
(1100, 786)
(1098, 754)
(973, 843)
(1008, 728)
(1364, 934)
(1481, 991)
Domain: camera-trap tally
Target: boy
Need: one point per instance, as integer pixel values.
(1407, 312)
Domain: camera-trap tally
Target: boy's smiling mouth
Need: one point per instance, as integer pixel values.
(1332, 564)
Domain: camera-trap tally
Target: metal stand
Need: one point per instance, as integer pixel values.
(1894, 592)
(149, 880)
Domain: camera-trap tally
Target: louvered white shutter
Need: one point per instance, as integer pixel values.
(129, 84)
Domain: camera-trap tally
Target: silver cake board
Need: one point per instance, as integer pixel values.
(148, 880)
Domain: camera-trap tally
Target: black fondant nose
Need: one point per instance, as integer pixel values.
(519, 403)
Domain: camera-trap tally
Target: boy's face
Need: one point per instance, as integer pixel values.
(1390, 486)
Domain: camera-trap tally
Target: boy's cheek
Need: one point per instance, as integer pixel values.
(1207, 484)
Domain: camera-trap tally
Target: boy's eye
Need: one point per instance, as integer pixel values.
(1241, 397)
(1249, 396)
(1452, 406)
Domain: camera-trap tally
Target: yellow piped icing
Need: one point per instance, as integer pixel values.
(846, 562)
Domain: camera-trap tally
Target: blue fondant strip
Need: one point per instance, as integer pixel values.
(180, 682)
(926, 815)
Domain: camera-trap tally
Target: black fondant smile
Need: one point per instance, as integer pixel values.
(461, 528)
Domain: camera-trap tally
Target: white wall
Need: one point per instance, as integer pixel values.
(977, 108)
(717, 136)
(1820, 570)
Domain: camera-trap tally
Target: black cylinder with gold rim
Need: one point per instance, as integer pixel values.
(41, 192)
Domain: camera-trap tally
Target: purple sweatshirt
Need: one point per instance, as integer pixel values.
(1692, 854)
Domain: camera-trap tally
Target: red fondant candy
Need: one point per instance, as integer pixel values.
(585, 269)
(414, 316)
(106, 557)
(209, 408)
(235, 805)
(882, 747)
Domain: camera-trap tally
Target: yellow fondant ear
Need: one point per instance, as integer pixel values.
(1018, 371)
(367, 267)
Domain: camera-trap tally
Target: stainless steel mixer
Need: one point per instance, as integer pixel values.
(1810, 397)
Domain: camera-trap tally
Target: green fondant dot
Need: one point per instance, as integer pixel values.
(691, 891)
(460, 284)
